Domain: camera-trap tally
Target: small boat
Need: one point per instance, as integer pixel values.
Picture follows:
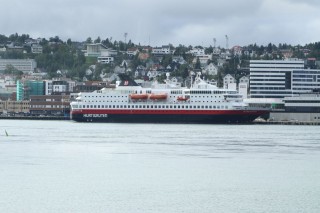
(139, 96)
(160, 96)
(181, 98)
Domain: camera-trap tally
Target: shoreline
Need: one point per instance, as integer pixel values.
(68, 119)
(34, 118)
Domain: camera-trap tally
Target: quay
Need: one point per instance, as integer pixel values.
(312, 123)
(34, 118)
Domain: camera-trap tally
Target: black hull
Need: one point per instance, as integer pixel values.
(166, 118)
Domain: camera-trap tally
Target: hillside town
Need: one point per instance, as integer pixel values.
(40, 77)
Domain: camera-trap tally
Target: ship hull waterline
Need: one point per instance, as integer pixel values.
(212, 117)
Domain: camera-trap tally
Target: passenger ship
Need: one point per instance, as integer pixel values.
(163, 103)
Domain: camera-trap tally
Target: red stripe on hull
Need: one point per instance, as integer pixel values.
(170, 112)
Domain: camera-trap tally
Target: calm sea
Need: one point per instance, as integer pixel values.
(63, 166)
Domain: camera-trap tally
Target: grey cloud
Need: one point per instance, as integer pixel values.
(166, 21)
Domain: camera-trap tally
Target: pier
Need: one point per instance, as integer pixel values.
(35, 117)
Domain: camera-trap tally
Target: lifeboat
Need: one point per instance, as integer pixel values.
(181, 98)
(160, 96)
(138, 96)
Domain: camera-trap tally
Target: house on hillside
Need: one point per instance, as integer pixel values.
(132, 51)
(98, 49)
(203, 60)
(210, 69)
(164, 50)
(229, 82)
(197, 52)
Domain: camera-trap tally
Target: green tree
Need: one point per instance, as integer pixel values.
(98, 40)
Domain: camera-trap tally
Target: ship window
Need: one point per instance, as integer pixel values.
(174, 106)
(147, 106)
(84, 106)
(140, 106)
(167, 106)
(98, 106)
(198, 107)
(170, 107)
(125, 106)
(151, 106)
(182, 107)
(178, 107)
(206, 107)
(91, 106)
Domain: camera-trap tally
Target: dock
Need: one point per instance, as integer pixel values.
(34, 118)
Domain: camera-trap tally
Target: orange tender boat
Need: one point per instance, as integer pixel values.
(139, 96)
(160, 96)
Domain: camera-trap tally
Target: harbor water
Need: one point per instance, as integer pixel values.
(64, 166)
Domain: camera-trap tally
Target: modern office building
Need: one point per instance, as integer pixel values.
(20, 91)
(274, 78)
(27, 88)
(305, 80)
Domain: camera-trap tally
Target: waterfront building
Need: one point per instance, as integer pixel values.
(49, 104)
(305, 80)
(12, 106)
(24, 65)
(20, 91)
(303, 103)
(27, 88)
(47, 87)
(272, 78)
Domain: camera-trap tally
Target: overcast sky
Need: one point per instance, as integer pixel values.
(160, 22)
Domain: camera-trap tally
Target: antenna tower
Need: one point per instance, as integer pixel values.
(227, 42)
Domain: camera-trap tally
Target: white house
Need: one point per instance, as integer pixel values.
(197, 51)
(210, 69)
(36, 48)
(105, 59)
(243, 89)
(244, 86)
(203, 59)
(228, 81)
(165, 49)
(244, 79)
(132, 51)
